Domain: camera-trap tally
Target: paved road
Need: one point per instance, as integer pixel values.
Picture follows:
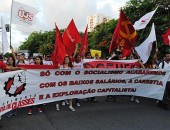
(101, 115)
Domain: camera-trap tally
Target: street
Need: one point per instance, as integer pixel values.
(120, 115)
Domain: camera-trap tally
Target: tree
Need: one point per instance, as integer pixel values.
(39, 42)
(101, 36)
(135, 10)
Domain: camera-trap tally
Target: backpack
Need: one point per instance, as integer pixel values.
(163, 64)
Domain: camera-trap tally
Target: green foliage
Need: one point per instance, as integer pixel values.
(100, 38)
(39, 42)
(135, 10)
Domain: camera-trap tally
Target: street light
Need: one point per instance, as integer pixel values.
(7, 27)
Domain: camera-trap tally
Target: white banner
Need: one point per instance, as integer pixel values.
(23, 14)
(24, 88)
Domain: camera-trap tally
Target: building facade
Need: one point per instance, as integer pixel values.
(95, 20)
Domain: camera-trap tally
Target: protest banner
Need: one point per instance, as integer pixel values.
(37, 86)
(92, 63)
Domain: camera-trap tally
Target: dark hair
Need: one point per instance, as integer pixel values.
(87, 53)
(23, 54)
(70, 63)
(96, 54)
(1, 57)
(12, 59)
(40, 57)
(77, 56)
(48, 56)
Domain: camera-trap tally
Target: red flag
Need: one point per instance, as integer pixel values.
(115, 41)
(71, 37)
(126, 52)
(124, 34)
(166, 37)
(59, 50)
(84, 45)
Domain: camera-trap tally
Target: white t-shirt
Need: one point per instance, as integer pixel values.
(166, 65)
(47, 62)
(77, 65)
(63, 67)
(25, 63)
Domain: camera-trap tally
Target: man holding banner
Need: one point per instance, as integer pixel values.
(165, 65)
(3, 66)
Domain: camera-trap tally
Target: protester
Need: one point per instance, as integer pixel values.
(47, 60)
(3, 66)
(77, 65)
(10, 62)
(67, 64)
(88, 56)
(38, 61)
(96, 57)
(31, 60)
(112, 97)
(20, 59)
(138, 65)
(152, 63)
(1, 59)
(165, 65)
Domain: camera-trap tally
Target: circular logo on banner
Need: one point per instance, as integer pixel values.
(15, 85)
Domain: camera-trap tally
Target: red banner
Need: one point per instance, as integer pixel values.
(110, 64)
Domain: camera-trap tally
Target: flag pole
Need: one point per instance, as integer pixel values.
(2, 39)
(10, 23)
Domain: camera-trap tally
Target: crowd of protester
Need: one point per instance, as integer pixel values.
(11, 62)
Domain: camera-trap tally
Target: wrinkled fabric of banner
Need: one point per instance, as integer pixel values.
(25, 88)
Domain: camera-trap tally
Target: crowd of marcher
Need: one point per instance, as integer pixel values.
(11, 62)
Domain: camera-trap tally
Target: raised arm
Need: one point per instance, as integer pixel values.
(13, 53)
(75, 52)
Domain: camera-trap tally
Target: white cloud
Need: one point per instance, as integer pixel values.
(61, 12)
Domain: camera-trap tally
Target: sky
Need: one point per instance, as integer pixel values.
(59, 11)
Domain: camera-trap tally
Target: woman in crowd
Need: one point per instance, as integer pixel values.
(3, 66)
(67, 64)
(10, 62)
(38, 61)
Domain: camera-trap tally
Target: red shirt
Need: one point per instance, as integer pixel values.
(2, 65)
